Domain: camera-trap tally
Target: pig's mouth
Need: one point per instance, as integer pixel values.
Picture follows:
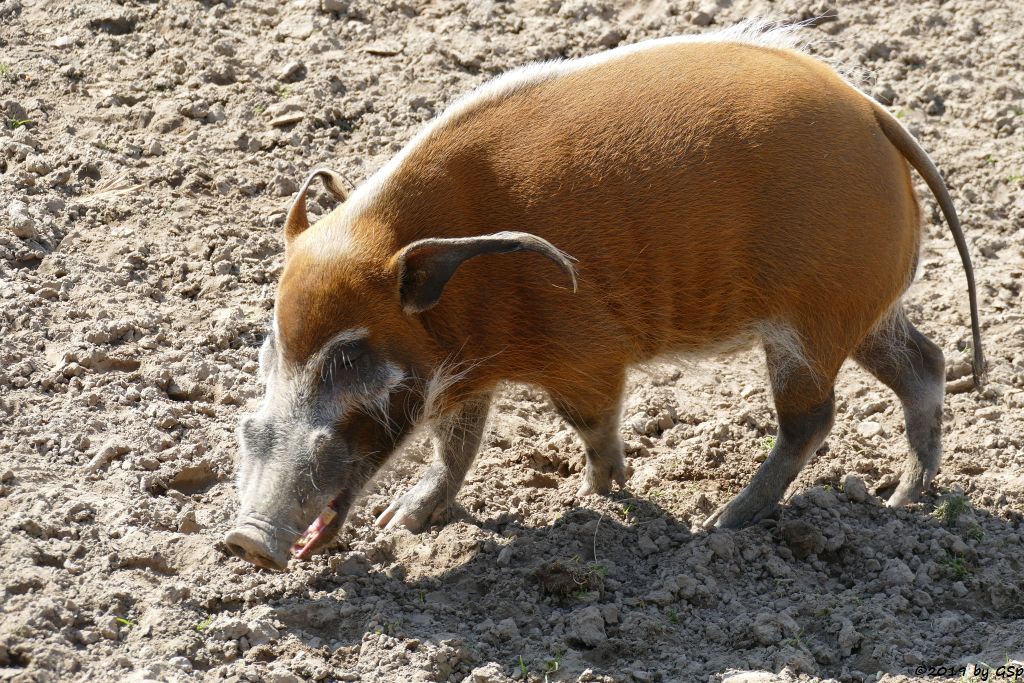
(319, 532)
(256, 539)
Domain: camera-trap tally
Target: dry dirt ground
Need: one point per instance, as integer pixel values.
(147, 154)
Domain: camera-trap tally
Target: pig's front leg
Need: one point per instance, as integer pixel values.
(593, 410)
(456, 442)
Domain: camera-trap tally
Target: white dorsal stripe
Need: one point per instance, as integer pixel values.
(752, 31)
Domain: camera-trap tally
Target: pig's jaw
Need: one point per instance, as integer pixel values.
(320, 531)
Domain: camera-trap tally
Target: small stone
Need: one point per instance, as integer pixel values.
(287, 119)
(766, 629)
(802, 538)
(687, 586)
(660, 597)
(960, 386)
(354, 564)
(855, 488)
(282, 676)
(849, 638)
(488, 673)
(21, 223)
(752, 677)
(109, 627)
(37, 164)
(291, 72)
(611, 37)
(180, 663)
(896, 573)
(646, 545)
(505, 630)
(869, 429)
(300, 30)
(722, 545)
(334, 5)
(383, 48)
(989, 413)
(504, 556)
(107, 452)
(588, 626)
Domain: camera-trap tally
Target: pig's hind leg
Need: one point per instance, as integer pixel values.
(595, 414)
(805, 403)
(457, 438)
(913, 367)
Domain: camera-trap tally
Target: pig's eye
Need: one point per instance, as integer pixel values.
(350, 367)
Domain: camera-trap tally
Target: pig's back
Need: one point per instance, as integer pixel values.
(702, 187)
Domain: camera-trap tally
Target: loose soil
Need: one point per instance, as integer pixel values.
(147, 154)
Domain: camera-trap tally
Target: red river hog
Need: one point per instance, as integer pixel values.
(568, 220)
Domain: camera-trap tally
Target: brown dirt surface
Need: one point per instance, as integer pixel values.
(147, 155)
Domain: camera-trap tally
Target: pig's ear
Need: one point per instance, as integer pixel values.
(425, 266)
(297, 220)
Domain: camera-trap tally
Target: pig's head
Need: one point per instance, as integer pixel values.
(346, 366)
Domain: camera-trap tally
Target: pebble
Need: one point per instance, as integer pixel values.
(766, 629)
(855, 488)
(722, 545)
(869, 429)
(646, 545)
(282, 676)
(291, 72)
(22, 224)
(107, 452)
(896, 573)
(802, 538)
(488, 673)
(849, 638)
(753, 677)
(109, 627)
(180, 662)
(588, 626)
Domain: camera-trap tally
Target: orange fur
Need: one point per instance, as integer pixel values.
(704, 189)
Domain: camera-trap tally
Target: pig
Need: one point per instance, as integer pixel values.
(571, 219)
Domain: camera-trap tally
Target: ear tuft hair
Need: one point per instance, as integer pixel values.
(297, 222)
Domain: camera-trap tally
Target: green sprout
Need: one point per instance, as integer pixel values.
(951, 509)
(552, 666)
(957, 566)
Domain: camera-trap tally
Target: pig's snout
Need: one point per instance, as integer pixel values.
(255, 540)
